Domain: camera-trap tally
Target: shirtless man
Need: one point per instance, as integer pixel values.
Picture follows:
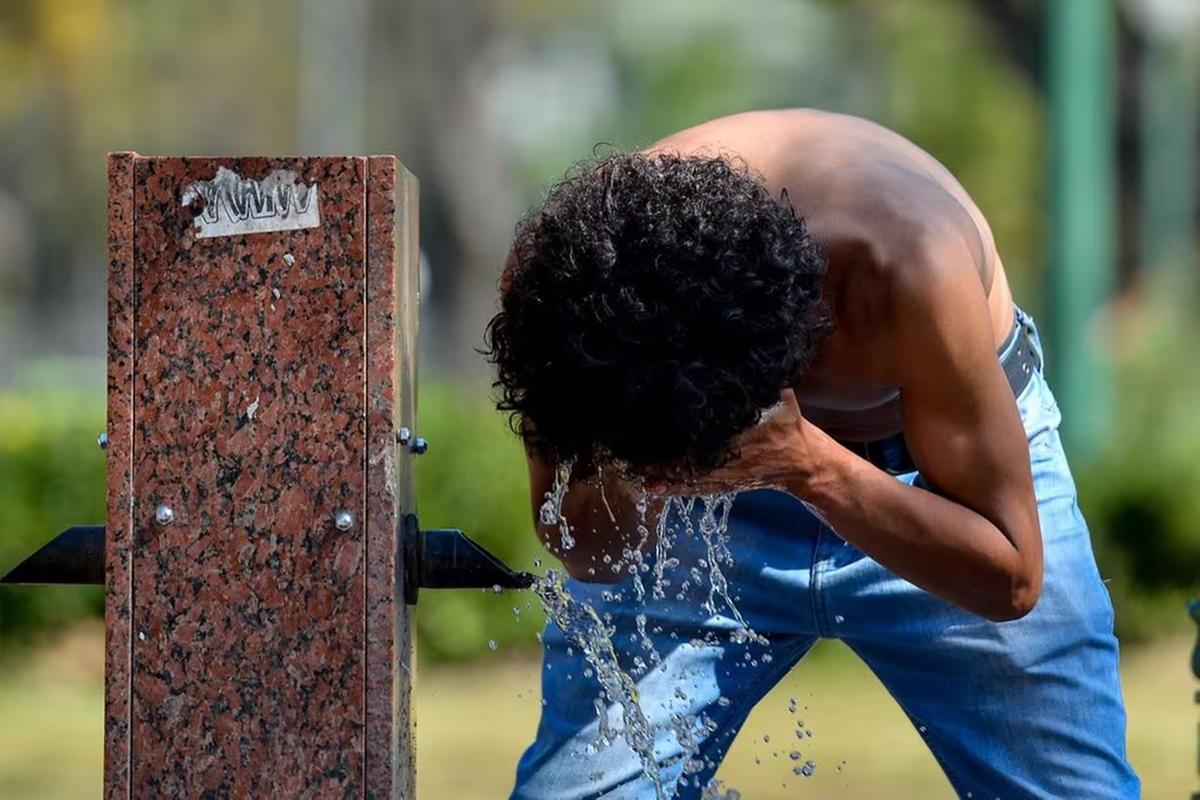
(907, 491)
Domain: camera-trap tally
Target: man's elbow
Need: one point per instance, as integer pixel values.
(1018, 601)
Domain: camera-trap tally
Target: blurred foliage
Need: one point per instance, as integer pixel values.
(1139, 494)
(51, 476)
(473, 477)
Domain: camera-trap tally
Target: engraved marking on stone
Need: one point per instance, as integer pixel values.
(235, 205)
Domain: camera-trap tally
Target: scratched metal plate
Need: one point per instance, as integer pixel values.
(248, 642)
(231, 204)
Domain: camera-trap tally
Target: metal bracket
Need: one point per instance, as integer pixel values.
(439, 558)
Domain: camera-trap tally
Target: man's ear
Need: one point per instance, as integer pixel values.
(506, 273)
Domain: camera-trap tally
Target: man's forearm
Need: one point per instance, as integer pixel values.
(933, 542)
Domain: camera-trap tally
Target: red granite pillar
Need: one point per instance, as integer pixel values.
(261, 343)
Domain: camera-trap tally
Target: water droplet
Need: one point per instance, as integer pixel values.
(766, 737)
(839, 619)
(492, 644)
(794, 755)
(497, 588)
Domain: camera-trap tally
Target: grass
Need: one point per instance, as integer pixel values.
(473, 721)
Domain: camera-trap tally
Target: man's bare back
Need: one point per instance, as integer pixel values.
(868, 195)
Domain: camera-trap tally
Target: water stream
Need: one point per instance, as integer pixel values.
(619, 711)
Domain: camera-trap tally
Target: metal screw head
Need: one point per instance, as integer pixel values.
(403, 436)
(102, 441)
(419, 445)
(164, 515)
(343, 520)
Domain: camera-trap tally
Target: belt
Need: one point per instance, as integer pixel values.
(1019, 360)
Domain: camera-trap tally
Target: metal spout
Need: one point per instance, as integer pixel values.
(446, 558)
(75, 556)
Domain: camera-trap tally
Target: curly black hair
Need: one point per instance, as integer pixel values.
(651, 309)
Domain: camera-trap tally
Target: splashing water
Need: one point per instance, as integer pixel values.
(716, 790)
(551, 511)
(583, 626)
(592, 633)
(714, 528)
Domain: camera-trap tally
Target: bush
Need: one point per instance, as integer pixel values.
(1139, 494)
(474, 478)
(51, 477)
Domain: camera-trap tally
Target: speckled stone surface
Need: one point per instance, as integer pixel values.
(391, 267)
(118, 525)
(255, 650)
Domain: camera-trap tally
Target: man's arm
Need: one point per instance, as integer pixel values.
(977, 541)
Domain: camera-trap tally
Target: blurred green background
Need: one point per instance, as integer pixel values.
(487, 102)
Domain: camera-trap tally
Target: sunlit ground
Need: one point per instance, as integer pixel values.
(473, 722)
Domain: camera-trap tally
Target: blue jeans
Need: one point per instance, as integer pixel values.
(1024, 709)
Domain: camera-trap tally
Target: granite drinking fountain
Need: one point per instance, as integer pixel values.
(261, 552)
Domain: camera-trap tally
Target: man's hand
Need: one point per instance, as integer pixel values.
(775, 453)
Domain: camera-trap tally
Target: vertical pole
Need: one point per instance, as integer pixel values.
(1168, 190)
(1081, 268)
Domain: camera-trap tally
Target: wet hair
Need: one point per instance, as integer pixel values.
(651, 309)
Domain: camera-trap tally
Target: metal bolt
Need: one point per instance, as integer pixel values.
(343, 520)
(419, 445)
(403, 436)
(164, 515)
(102, 441)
